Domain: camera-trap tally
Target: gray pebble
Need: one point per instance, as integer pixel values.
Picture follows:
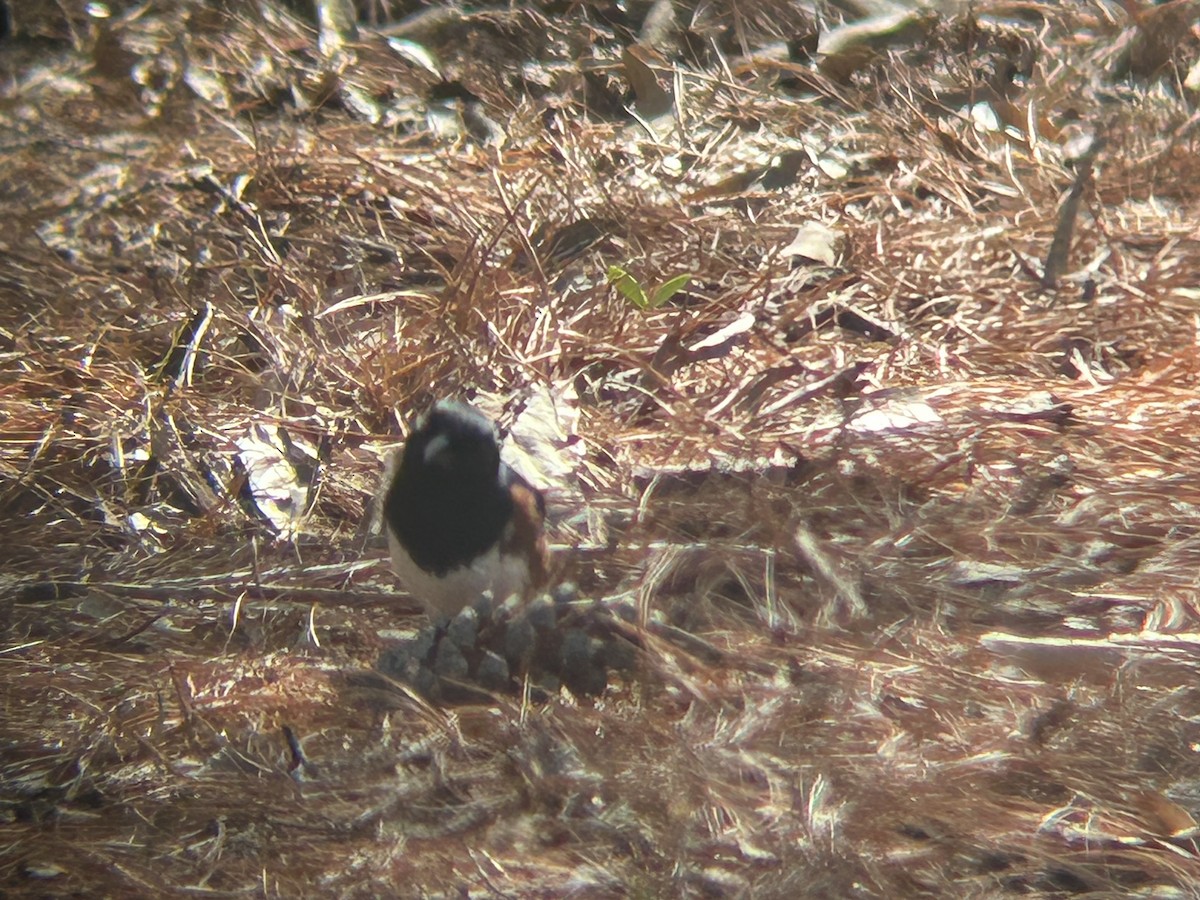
(540, 613)
(576, 649)
(463, 629)
(426, 683)
(422, 645)
(580, 670)
(618, 654)
(492, 672)
(450, 662)
(590, 680)
(395, 662)
(508, 610)
(484, 608)
(519, 642)
(565, 593)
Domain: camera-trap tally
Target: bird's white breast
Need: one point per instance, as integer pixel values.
(503, 575)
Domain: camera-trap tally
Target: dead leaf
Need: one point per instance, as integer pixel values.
(652, 101)
(272, 481)
(816, 242)
(417, 54)
(847, 48)
(1164, 817)
(722, 341)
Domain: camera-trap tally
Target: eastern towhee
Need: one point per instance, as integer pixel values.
(459, 520)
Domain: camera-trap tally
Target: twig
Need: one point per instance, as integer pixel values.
(41, 591)
(1060, 247)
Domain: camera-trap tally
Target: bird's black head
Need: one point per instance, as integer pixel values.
(454, 440)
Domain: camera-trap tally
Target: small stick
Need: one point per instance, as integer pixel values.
(1060, 247)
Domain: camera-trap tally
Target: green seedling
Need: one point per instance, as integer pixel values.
(631, 289)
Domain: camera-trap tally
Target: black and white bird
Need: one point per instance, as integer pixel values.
(460, 521)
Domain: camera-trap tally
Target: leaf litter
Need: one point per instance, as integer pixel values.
(901, 481)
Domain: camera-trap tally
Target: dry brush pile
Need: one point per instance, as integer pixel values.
(857, 348)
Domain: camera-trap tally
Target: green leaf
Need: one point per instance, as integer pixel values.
(668, 289)
(629, 287)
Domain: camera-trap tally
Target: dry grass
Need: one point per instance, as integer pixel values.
(880, 493)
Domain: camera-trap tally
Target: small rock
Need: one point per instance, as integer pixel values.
(395, 662)
(576, 649)
(426, 683)
(519, 642)
(450, 662)
(565, 593)
(492, 672)
(421, 647)
(579, 671)
(618, 654)
(541, 613)
(484, 609)
(509, 609)
(463, 629)
(588, 681)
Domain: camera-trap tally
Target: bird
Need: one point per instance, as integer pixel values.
(460, 521)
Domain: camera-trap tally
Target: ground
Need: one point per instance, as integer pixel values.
(856, 349)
